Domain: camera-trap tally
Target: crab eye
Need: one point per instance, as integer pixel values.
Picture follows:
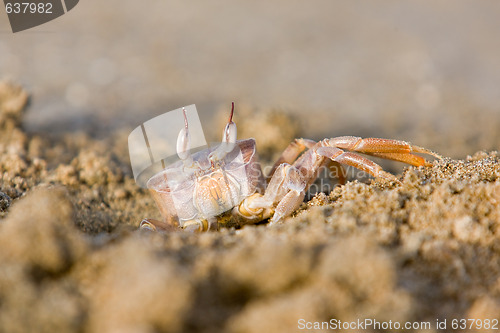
(183, 144)
(230, 133)
(183, 140)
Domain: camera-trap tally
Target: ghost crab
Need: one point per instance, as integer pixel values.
(224, 186)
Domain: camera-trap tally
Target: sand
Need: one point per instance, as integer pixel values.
(72, 259)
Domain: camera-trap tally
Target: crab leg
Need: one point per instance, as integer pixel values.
(290, 154)
(355, 160)
(287, 188)
(411, 159)
(155, 225)
(198, 225)
(275, 191)
(288, 205)
(338, 170)
(385, 148)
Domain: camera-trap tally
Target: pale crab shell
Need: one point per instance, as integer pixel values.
(183, 195)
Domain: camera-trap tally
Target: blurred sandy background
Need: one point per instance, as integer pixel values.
(383, 68)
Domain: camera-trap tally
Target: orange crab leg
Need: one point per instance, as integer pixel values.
(411, 159)
(376, 145)
(339, 171)
(354, 160)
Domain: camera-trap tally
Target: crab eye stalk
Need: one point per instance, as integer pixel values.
(184, 142)
(229, 136)
(230, 132)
